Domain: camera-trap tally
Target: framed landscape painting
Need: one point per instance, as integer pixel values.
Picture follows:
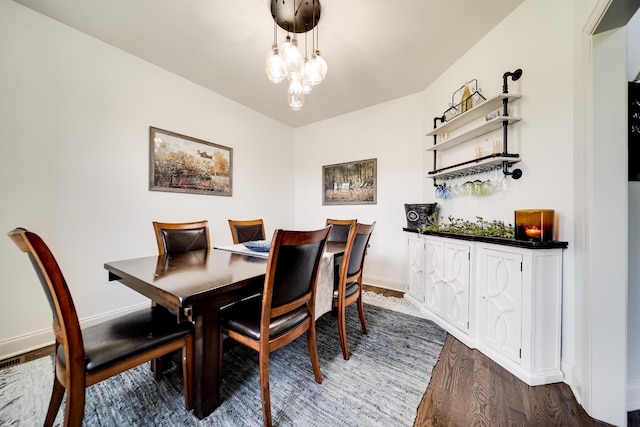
(352, 183)
(181, 164)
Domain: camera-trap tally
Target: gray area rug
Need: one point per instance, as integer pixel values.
(380, 385)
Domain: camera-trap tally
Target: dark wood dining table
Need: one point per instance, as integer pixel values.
(194, 286)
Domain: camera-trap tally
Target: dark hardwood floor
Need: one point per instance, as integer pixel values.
(383, 292)
(469, 389)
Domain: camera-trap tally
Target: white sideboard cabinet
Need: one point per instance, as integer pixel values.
(502, 299)
(446, 280)
(416, 268)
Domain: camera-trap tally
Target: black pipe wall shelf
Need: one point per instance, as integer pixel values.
(442, 141)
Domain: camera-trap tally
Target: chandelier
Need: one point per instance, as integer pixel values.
(302, 72)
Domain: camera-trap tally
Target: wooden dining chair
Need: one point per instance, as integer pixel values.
(89, 355)
(181, 237)
(174, 238)
(348, 288)
(286, 308)
(247, 230)
(340, 229)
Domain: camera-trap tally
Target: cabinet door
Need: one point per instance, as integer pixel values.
(416, 268)
(456, 285)
(500, 286)
(434, 276)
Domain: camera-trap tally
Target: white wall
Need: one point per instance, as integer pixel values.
(74, 131)
(633, 332)
(391, 133)
(606, 283)
(543, 138)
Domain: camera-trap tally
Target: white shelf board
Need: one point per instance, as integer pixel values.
(471, 168)
(491, 125)
(478, 111)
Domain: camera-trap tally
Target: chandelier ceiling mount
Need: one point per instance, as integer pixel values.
(305, 17)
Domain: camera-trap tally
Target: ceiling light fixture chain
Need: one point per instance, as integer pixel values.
(303, 72)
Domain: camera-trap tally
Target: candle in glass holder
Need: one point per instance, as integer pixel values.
(533, 231)
(535, 225)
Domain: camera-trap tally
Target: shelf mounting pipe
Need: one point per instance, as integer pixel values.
(516, 173)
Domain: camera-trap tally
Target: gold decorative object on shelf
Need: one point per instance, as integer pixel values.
(467, 101)
(469, 96)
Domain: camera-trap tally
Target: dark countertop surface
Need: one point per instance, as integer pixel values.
(496, 240)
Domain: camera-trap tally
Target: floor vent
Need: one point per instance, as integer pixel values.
(11, 362)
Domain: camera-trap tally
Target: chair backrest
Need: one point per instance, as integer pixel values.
(181, 237)
(340, 229)
(292, 272)
(247, 230)
(65, 319)
(355, 251)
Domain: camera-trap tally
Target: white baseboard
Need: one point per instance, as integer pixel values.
(572, 380)
(385, 283)
(36, 340)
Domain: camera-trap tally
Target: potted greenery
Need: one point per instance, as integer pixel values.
(480, 227)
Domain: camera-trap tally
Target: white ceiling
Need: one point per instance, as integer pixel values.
(377, 50)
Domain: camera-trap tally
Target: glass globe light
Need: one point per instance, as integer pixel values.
(322, 62)
(274, 65)
(313, 70)
(295, 95)
(307, 88)
(294, 61)
(285, 46)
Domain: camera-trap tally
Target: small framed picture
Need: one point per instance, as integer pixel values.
(352, 183)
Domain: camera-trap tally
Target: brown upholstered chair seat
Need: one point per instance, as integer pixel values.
(244, 317)
(183, 240)
(121, 338)
(351, 289)
(340, 229)
(246, 230)
(250, 233)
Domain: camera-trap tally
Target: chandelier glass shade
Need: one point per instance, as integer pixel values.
(295, 95)
(274, 66)
(294, 61)
(303, 73)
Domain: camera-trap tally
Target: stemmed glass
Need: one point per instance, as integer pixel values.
(505, 183)
(487, 184)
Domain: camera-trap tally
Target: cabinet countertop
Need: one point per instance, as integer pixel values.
(495, 240)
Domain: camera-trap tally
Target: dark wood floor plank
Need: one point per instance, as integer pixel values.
(469, 389)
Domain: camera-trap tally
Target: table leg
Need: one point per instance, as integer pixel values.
(206, 381)
(337, 265)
